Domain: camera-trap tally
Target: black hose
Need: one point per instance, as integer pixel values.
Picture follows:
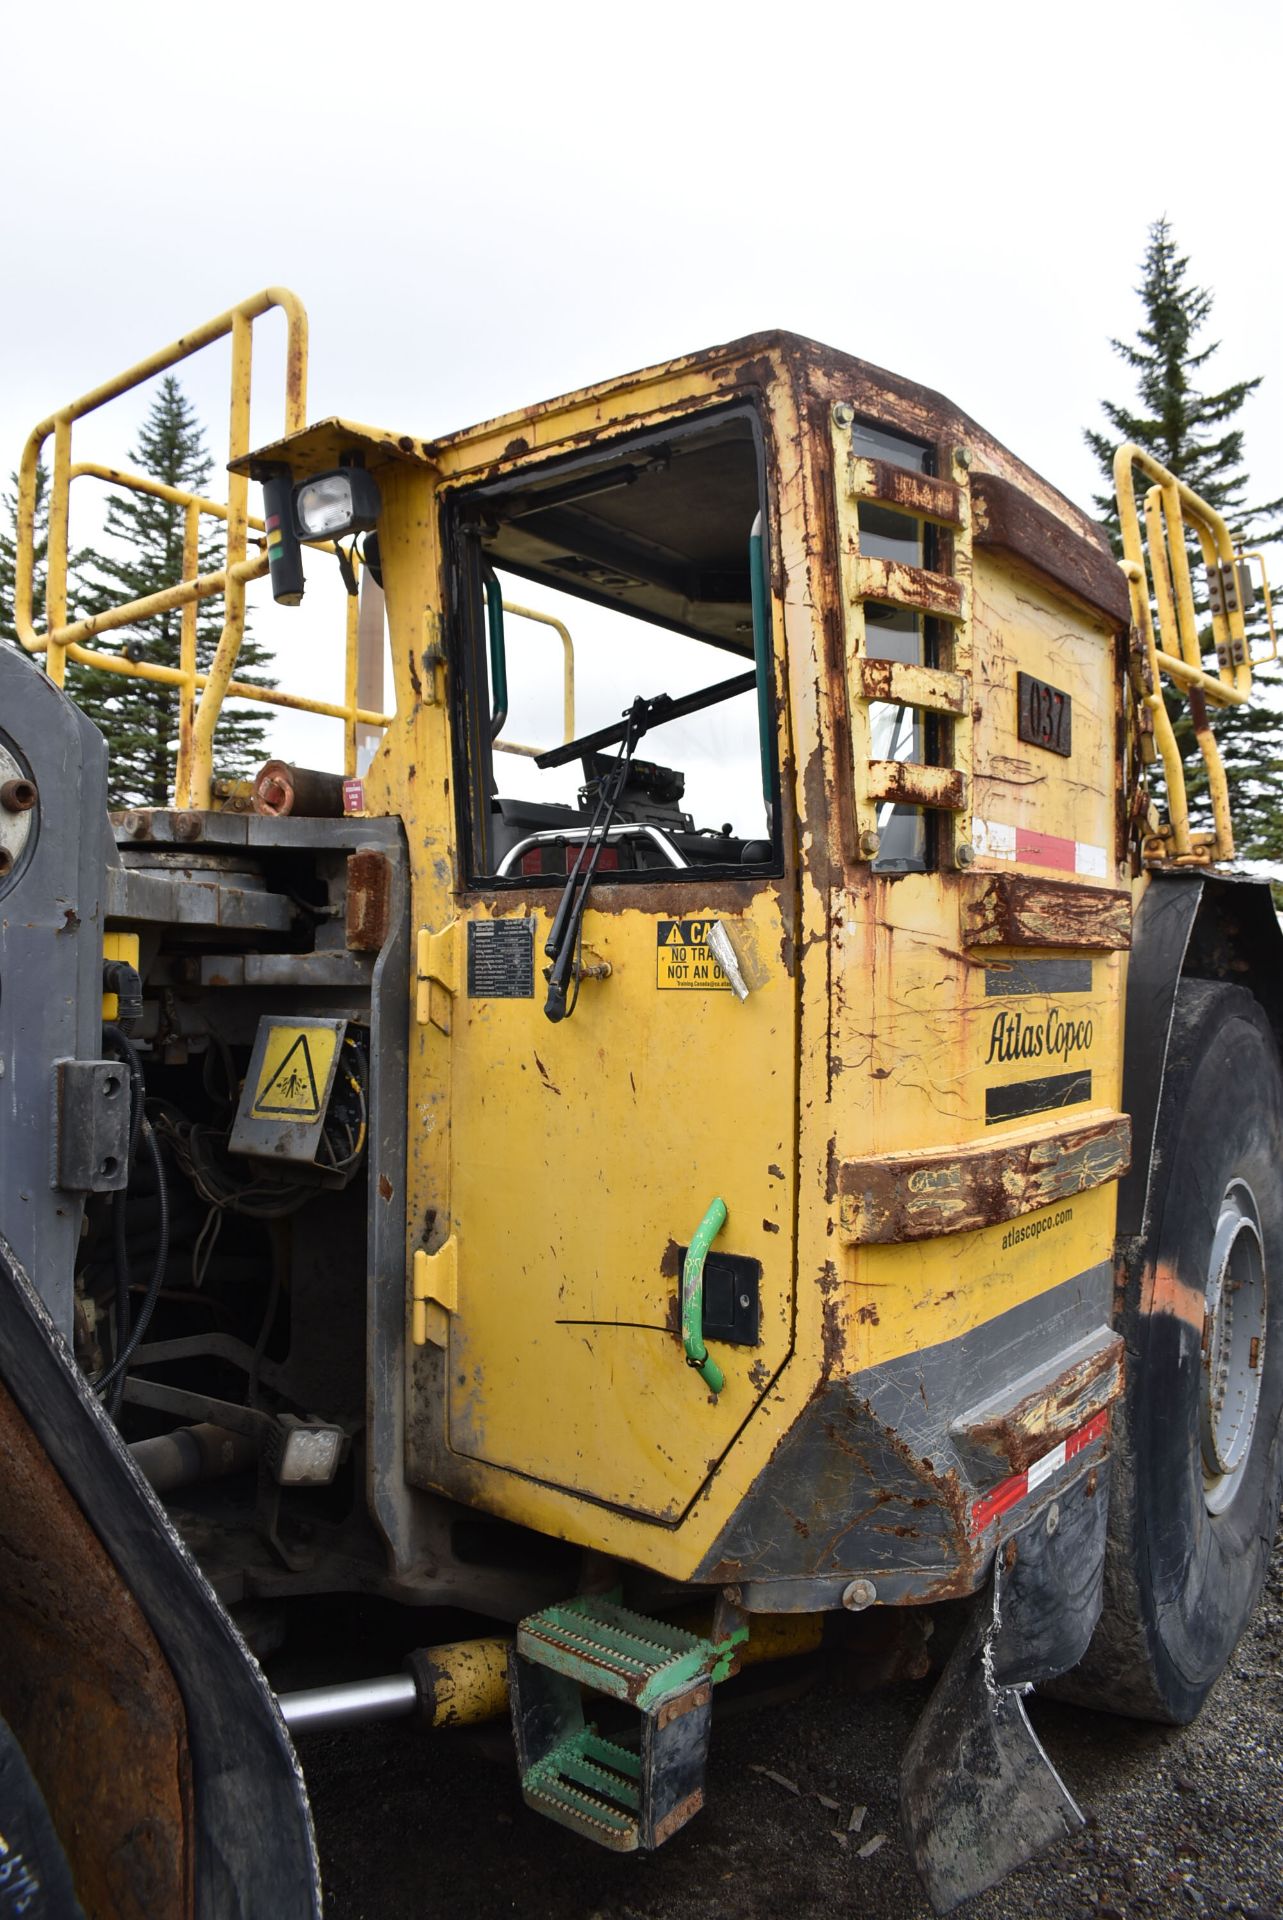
(117, 1041)
(121, 1361)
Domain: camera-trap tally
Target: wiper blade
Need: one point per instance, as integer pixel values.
(565, 936)
(662, 708)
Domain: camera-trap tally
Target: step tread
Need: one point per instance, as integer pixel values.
(615, 1651)
(591, 1785)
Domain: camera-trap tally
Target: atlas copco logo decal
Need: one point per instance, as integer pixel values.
(1015, 1037)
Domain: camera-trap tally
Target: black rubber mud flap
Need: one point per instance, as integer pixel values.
(978, 1794)
(250, 1839)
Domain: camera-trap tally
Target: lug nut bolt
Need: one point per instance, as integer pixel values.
(188, 826)
(18, 796)
(859, 1595)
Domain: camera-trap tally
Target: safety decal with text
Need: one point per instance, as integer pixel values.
(296, 1071)
(684, 961)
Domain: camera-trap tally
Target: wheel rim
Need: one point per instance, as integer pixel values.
(1233, 1352)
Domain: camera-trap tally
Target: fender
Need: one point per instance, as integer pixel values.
(153, 1736)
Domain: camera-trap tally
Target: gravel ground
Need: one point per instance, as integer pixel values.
(1182, 1821)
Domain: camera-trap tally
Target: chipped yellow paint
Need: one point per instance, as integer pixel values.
(562, 1160)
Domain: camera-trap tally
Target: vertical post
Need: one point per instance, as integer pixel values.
(224, 661)
(56, 566)
(187, 661)
(351, 646)
(369, 670)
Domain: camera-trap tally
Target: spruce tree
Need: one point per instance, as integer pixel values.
(143, 552)
(1194, 434)
(9, 556)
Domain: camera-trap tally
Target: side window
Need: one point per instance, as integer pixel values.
(896, 633)
(582, 588)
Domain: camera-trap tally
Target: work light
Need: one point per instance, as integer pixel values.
(333, 504)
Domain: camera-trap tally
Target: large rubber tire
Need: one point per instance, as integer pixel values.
(1188, 1545)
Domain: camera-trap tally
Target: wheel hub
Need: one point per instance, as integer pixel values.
(1233, 1351)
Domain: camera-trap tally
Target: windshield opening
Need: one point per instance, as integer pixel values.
(581, 588)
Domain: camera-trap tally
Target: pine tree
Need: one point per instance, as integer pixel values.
(140, 717)
(1194, 435)
(9, 556)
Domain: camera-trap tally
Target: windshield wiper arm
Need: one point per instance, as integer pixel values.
(565, 936)
(663, 707)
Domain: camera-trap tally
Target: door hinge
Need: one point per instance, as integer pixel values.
(437, 971)
(434, 1292)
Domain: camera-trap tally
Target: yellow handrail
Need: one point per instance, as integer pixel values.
(567, 680)
(1157, 572)
(64, 640)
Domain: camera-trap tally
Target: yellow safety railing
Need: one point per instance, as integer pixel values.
(1156, 564)
(567, 680)
(201, 693)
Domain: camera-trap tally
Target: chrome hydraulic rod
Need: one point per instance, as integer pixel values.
(392, 1696)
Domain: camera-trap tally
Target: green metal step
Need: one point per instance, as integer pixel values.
(611, 1650)
(592, 1786)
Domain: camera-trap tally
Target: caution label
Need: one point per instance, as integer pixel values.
(684, 963)
(295, 1073)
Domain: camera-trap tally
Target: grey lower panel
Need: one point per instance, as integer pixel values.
(870, 1482)
(51, 930)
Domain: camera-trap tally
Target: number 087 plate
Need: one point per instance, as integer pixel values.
(1046, 714)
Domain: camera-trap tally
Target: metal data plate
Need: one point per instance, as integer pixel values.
(287, 1089)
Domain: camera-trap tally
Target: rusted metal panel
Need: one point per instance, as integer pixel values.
(916, 587)
(1038, 1411)
(902, 683)
(87, 1690)
(909, 784)
(919, 1196)
(1020, 910)
(1006, 517)
(900, 488)
(369, 896)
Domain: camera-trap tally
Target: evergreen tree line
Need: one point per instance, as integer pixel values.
(141, 552)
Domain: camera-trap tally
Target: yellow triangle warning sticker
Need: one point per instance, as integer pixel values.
(296, 1067)
(673, 938)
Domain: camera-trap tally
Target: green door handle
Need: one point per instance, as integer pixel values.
(697, 1354)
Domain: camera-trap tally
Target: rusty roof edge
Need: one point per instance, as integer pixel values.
(810, 362)
(937, 411)
(326, 435)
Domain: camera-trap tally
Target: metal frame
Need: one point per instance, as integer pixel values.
(64, 640)
(1156, 566)
(568, 680)
(633, 830)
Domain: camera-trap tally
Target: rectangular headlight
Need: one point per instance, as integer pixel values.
(333, 504)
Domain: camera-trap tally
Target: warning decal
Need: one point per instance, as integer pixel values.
(296, 1071)
(684, 962)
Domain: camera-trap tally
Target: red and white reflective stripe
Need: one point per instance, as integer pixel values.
(1018, 1488)
(1001, 842)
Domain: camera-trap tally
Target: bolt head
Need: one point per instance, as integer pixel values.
(859, 1595)
(869, 844)
(188, 826)
(966, 854)
(1053, 1517)
(962, 456)
(843, 414)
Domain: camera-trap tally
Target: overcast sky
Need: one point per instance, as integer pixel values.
(482, 207)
